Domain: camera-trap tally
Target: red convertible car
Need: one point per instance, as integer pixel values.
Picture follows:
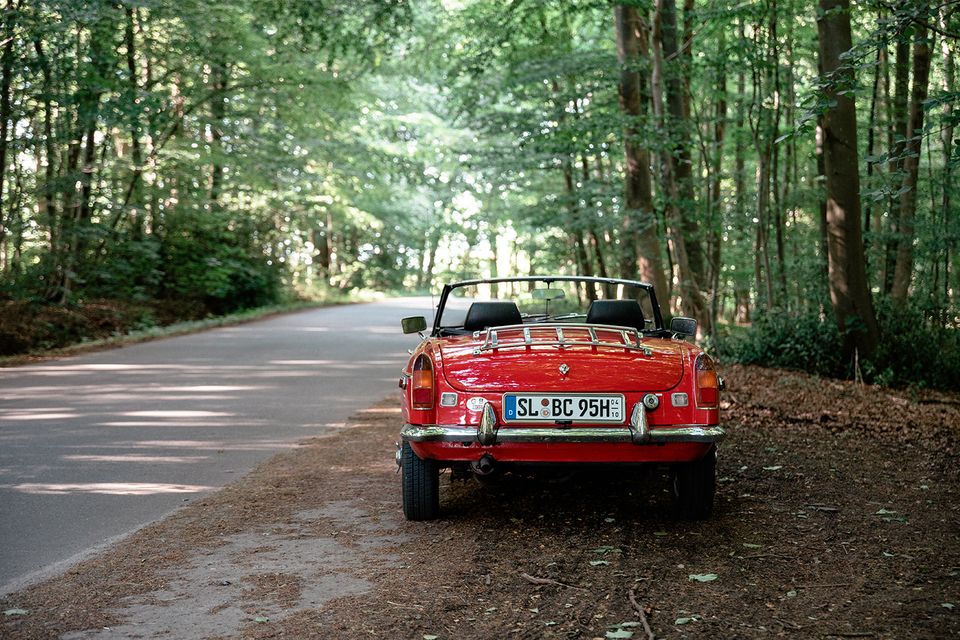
(558, 369)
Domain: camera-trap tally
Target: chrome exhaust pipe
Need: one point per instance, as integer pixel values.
(484, 466)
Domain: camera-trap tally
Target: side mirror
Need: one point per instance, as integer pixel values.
(413, 324)
(683, 326)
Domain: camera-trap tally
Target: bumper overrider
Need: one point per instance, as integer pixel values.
(488, 432)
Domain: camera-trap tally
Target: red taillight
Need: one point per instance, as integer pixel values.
(422, 379)
(708, 383)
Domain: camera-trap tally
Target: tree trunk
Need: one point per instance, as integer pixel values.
(762, 256)
(675, 78)
(431, 260)
(48, 203)
(871, 151)
(946, 138)
(218, 80)
(322, 239)
(739, 161)
(822, 185)
(716, 214)
(15, 256)
(778, 217)
(492, 241)
(691, 299)
(876, 258)
(849, 291)
(576, 232)
(632, 51)
(911, 167)
(92, 88)
(583, 261)
(897, 140)
(763, 133)
(133, 195)
(6, 80)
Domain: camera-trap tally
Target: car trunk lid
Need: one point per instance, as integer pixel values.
(598, 361)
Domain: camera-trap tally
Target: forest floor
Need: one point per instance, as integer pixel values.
(836, 517)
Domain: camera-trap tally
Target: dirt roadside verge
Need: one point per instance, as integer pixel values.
(160, 332)
(836, 517)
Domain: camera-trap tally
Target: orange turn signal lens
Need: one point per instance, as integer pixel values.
(708, 383)
(422, 387)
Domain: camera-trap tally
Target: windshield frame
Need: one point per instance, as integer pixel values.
(448, 288)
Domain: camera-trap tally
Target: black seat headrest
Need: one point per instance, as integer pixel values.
(621, 313)
(482, 315)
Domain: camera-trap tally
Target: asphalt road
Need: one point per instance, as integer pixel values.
(94, 447)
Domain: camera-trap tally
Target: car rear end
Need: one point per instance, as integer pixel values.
(565, 394)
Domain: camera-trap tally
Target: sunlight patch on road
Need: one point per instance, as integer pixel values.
(378, 329)
(206, 388)
(18, 416)
(71, 368)
(134, 457)
(207, 445)
(293, 373)
(176, 423)
(108, 488)
(177, 413)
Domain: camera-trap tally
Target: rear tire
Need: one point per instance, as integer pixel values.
(693, 485)
(421, 486)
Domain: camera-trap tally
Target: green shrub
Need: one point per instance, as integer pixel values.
(787, 340)
(209, 259)
(915, 348)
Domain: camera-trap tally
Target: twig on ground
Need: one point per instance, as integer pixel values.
(751, 556)
(788, 624)
(545, 581)
(852, 634)
(641, 613)
(835, 584)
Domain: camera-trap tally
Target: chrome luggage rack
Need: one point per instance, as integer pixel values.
(630, 338)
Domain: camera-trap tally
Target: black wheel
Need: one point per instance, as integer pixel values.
(421, 486)
(693, 485)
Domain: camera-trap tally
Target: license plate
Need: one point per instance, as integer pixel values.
(551, 407)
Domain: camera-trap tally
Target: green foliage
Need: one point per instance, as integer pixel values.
(131, 270)
(193, 157)
(206, 257)
(806, 341)
(185, 151)
(916, 348)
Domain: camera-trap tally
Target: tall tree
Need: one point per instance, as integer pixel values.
(8, 20)
(946, 139)
(633, 52)
(903, 271)
(849, 292)
(896, 142)
(676, 166)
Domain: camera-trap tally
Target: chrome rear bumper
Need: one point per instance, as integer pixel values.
(488, 432)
